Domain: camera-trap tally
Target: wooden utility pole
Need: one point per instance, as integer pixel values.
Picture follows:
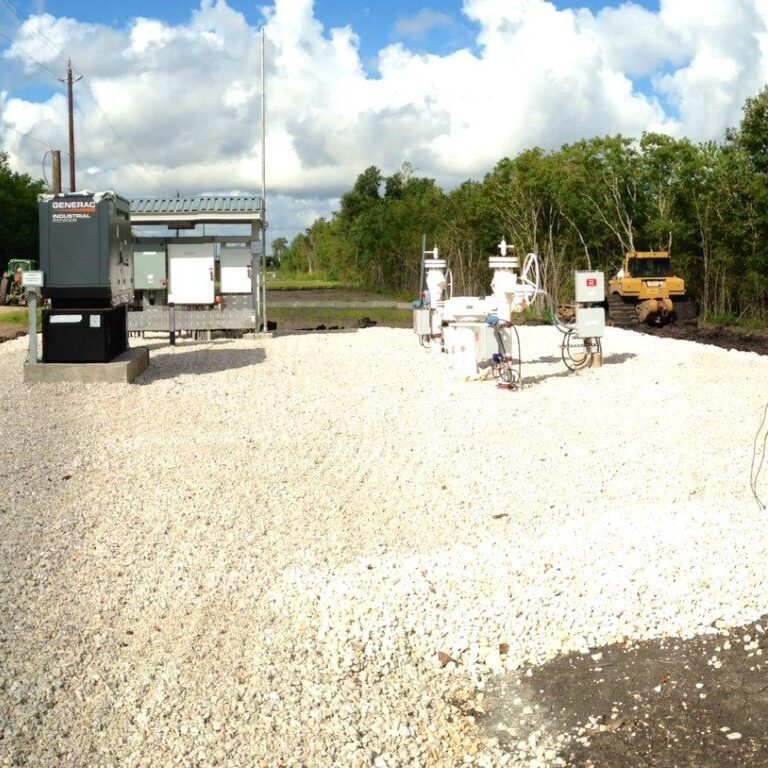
(71, 99)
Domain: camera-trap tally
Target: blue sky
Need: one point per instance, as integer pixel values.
(375, 22)
(685, 70)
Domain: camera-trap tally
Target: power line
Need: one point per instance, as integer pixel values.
(132, 166)
(108, 146)
(119, 136)
(153, 181)
(30, 137)
(139, 164)
(41, 35)
(29, 55)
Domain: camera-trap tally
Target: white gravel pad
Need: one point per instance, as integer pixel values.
(254, 555)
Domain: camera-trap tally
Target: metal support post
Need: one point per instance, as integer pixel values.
(264, 280)
(255, 281)
(32, 326)
(259, 326)
(172, 324)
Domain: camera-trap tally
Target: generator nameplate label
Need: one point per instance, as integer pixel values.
(95, 321)
(66, 319)
(67, 211)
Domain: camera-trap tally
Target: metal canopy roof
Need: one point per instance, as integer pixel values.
(203, 209)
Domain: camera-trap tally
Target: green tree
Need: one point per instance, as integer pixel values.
(582, 205)
(18, 214)
(752, 134)
(279, 247)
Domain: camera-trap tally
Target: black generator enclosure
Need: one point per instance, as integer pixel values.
(84, 335)
(86, 254)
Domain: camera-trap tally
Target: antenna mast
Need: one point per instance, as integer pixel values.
(263, 179)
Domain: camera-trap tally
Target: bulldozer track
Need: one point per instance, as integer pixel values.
(622, 313)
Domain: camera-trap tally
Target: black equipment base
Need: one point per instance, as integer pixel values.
(84, 335)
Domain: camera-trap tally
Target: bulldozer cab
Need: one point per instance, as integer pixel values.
(655, 265)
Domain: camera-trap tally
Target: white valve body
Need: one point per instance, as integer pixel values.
(436, 283)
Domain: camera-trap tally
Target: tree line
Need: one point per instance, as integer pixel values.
(582, 206)
(18, 214)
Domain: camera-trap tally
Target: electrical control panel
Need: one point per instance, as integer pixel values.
(590, 287)
(421, 322)
(149, 269)
(191, 268)
(235, 270)
(493, 340)
(590, 322)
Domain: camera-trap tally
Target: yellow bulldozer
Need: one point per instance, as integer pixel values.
(646, 291)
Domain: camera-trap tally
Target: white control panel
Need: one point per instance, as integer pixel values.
(590, 322)
(421, 322)
(235, 270)
(191, 273)
(590, 287)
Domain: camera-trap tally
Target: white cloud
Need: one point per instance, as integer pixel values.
(186, 97)
(422, 23)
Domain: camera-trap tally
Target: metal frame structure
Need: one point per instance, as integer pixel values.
(184, 213)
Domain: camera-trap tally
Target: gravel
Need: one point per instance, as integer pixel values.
(315, 550)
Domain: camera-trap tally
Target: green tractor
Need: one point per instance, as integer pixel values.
(11, 289)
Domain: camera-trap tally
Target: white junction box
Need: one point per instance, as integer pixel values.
(235, 270)
(421, 322)
(590, 322)
(590, 287)
(488, 342)
(191, 273)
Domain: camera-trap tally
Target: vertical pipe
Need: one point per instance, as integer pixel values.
(423, 252)
(56, 154)
(71, 99)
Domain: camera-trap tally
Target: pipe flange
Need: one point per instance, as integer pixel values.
(504, 262)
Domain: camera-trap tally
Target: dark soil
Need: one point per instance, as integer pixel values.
(10, 331)
(727, 338)
(667, 703)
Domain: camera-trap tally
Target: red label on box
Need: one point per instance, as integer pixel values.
(591, 282)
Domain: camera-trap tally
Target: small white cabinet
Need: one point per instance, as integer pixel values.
(191, 273)
(235, 270)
